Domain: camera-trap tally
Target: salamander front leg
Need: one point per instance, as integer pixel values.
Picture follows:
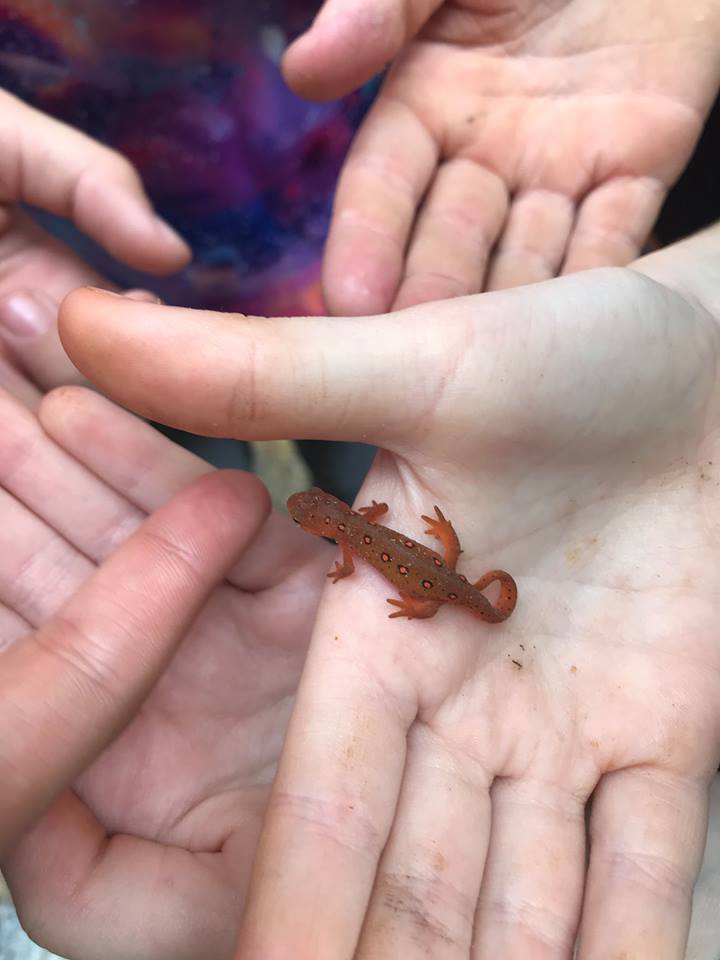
(374, 511)
(345, 568)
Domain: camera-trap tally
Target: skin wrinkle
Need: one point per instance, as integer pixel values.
(482, 782)
(466, 25)
(241, 405)
(425, 419)
(539, 924)
(472, 223)
(118, 530)
(653, 872)
(71, 645)
(26, 596)
(574, 799)
(380, 162)
(417, 898)
(384, 173)
(401, 703)
(177, 550)
(327, 818)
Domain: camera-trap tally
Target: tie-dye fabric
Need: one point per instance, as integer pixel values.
(192, 94)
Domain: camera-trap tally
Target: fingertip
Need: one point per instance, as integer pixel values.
(80, 328)
(145, 296)
(234, 503)
(112, 207)
(365, 286)
(66, 403)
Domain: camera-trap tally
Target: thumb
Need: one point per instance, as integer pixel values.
(68, 688)
(53, 167)
(349, 42)
(371, 379)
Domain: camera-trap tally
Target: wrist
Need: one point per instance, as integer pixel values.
(690, 266)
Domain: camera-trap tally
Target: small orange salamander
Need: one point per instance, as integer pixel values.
(423, 577)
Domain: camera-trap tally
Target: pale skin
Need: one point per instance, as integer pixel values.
(130, 811)
(570, 431)
(510, 141)
(43, 899)
(55, 168)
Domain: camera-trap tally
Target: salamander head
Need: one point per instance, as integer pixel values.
(311, 508)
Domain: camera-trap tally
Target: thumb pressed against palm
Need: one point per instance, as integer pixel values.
(68, 688)
(248, 377)
(525, 365)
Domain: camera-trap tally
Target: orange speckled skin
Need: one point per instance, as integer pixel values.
(424, 579)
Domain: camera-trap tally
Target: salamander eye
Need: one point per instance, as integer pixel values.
(342, 527)
(437, 561)
(409, 543)
(464, 579)
(428, 584)
(367, 539)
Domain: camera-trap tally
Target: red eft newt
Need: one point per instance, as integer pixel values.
(424, 579)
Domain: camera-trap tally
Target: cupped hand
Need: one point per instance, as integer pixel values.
(434, 787)
(55, 168)
(510, 141)
(118, 634)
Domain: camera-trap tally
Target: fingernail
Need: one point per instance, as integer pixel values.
(26, 313)
(137, 293)
(103, 290)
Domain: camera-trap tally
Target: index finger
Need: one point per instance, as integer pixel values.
(331, 808)
(49, 165)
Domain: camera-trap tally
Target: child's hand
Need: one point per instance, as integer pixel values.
(510, 142)
(143, 698)
(53, 167)
(436, 776)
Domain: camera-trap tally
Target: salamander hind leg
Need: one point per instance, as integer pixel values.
(374, 511)
(345, 568)
(443, 530)
(413, 608)
(505, 603)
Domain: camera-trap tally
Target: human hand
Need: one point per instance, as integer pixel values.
(432, 793)
(57, 169)
(149, 844)
(509, 142)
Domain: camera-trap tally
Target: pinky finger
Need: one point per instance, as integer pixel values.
(647, 838)
(613, 223)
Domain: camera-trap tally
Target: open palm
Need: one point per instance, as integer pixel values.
(441, 771)
(509, 142)
(167, 818)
